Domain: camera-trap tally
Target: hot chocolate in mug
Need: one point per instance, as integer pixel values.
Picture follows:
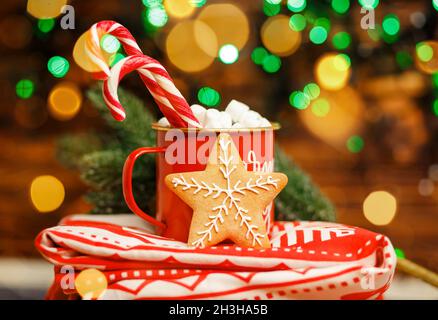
(186, 150)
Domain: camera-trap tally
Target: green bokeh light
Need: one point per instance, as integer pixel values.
(424, 52)
(435, 107)
(58, 66)
(323, 22)
(46, 25)
(157, 16)
(318, 35)
(374, 34)
(320, 107)
(24, 88)
(312, 90)
(400, 253)
(209, 97)
(296, 5)
(369, 4)
(297, 22)
(341, 40)
(271, 63)
(435, 4)
(355, 144)
(299, 100)
(271, 9)
(109, 43)
(273, 1)
(391, 24)
(197, 3)
(340, 6)
(152, 3)
(435, 80)
(258, 55)
(116, 58)
(228, 54)
(404, 59)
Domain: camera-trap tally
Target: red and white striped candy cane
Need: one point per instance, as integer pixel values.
(169, 99)
(98, 30)
(160, 85)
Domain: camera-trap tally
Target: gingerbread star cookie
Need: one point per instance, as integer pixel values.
(227, 200)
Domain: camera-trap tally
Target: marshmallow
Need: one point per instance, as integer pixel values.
(235, 109)
(250, 119)
(225, 120)
(237, 125)
(264, 123)
(212, 119)
(164, 122)
(199, 112)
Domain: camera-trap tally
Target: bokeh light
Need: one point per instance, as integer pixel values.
(46, 25)
(296, 5)
(58, 66)
(427, 56)
(197, 3)
(229, 23)
(46, 193)
(312, 90)
(404, 59)
(156, 16)
(45, 9)
(297, 22)
(228, 54)
(343, 119)
(116, 58)
(179, 8)
(369, 4)
(332, 71)
(426, 187)
(435, 4)
(24, 88)
(355, 144)
(91, 284)
(65, 101)
(320, 107)
(318, 35)
(271, 9)
(400, 253)
(341, 40)
(209, 97)
(80, 55)
(435, 107)
(340, 6)
(380, 208)
(299, 100)
(391, 24)
(258, 55)
(109, 43)
(271, 63)
(278, 37)
(191, 46)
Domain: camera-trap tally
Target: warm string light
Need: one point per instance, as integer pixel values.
(65, 101)
(45, 9)
(332, 71)
(278, 37)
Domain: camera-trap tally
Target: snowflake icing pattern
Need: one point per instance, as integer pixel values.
(231, 200)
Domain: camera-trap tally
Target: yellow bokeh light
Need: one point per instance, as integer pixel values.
(45, 9)
(380, 207)
(332, 71)
(278, 37)
(47, 193)
(343, 119)
(91, 283)
(81, 57)
(191, 46)
(229, 23)
(179, 8)
(65, 101)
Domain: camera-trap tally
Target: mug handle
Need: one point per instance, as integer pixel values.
(127, 183)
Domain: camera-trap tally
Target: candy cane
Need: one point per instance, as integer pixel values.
(169, 99)
(159, 84)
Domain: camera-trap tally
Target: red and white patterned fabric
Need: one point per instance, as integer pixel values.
(308, 260)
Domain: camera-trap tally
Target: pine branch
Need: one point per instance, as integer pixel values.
(301, 199)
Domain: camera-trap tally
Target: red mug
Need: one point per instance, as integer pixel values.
(185, 150)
